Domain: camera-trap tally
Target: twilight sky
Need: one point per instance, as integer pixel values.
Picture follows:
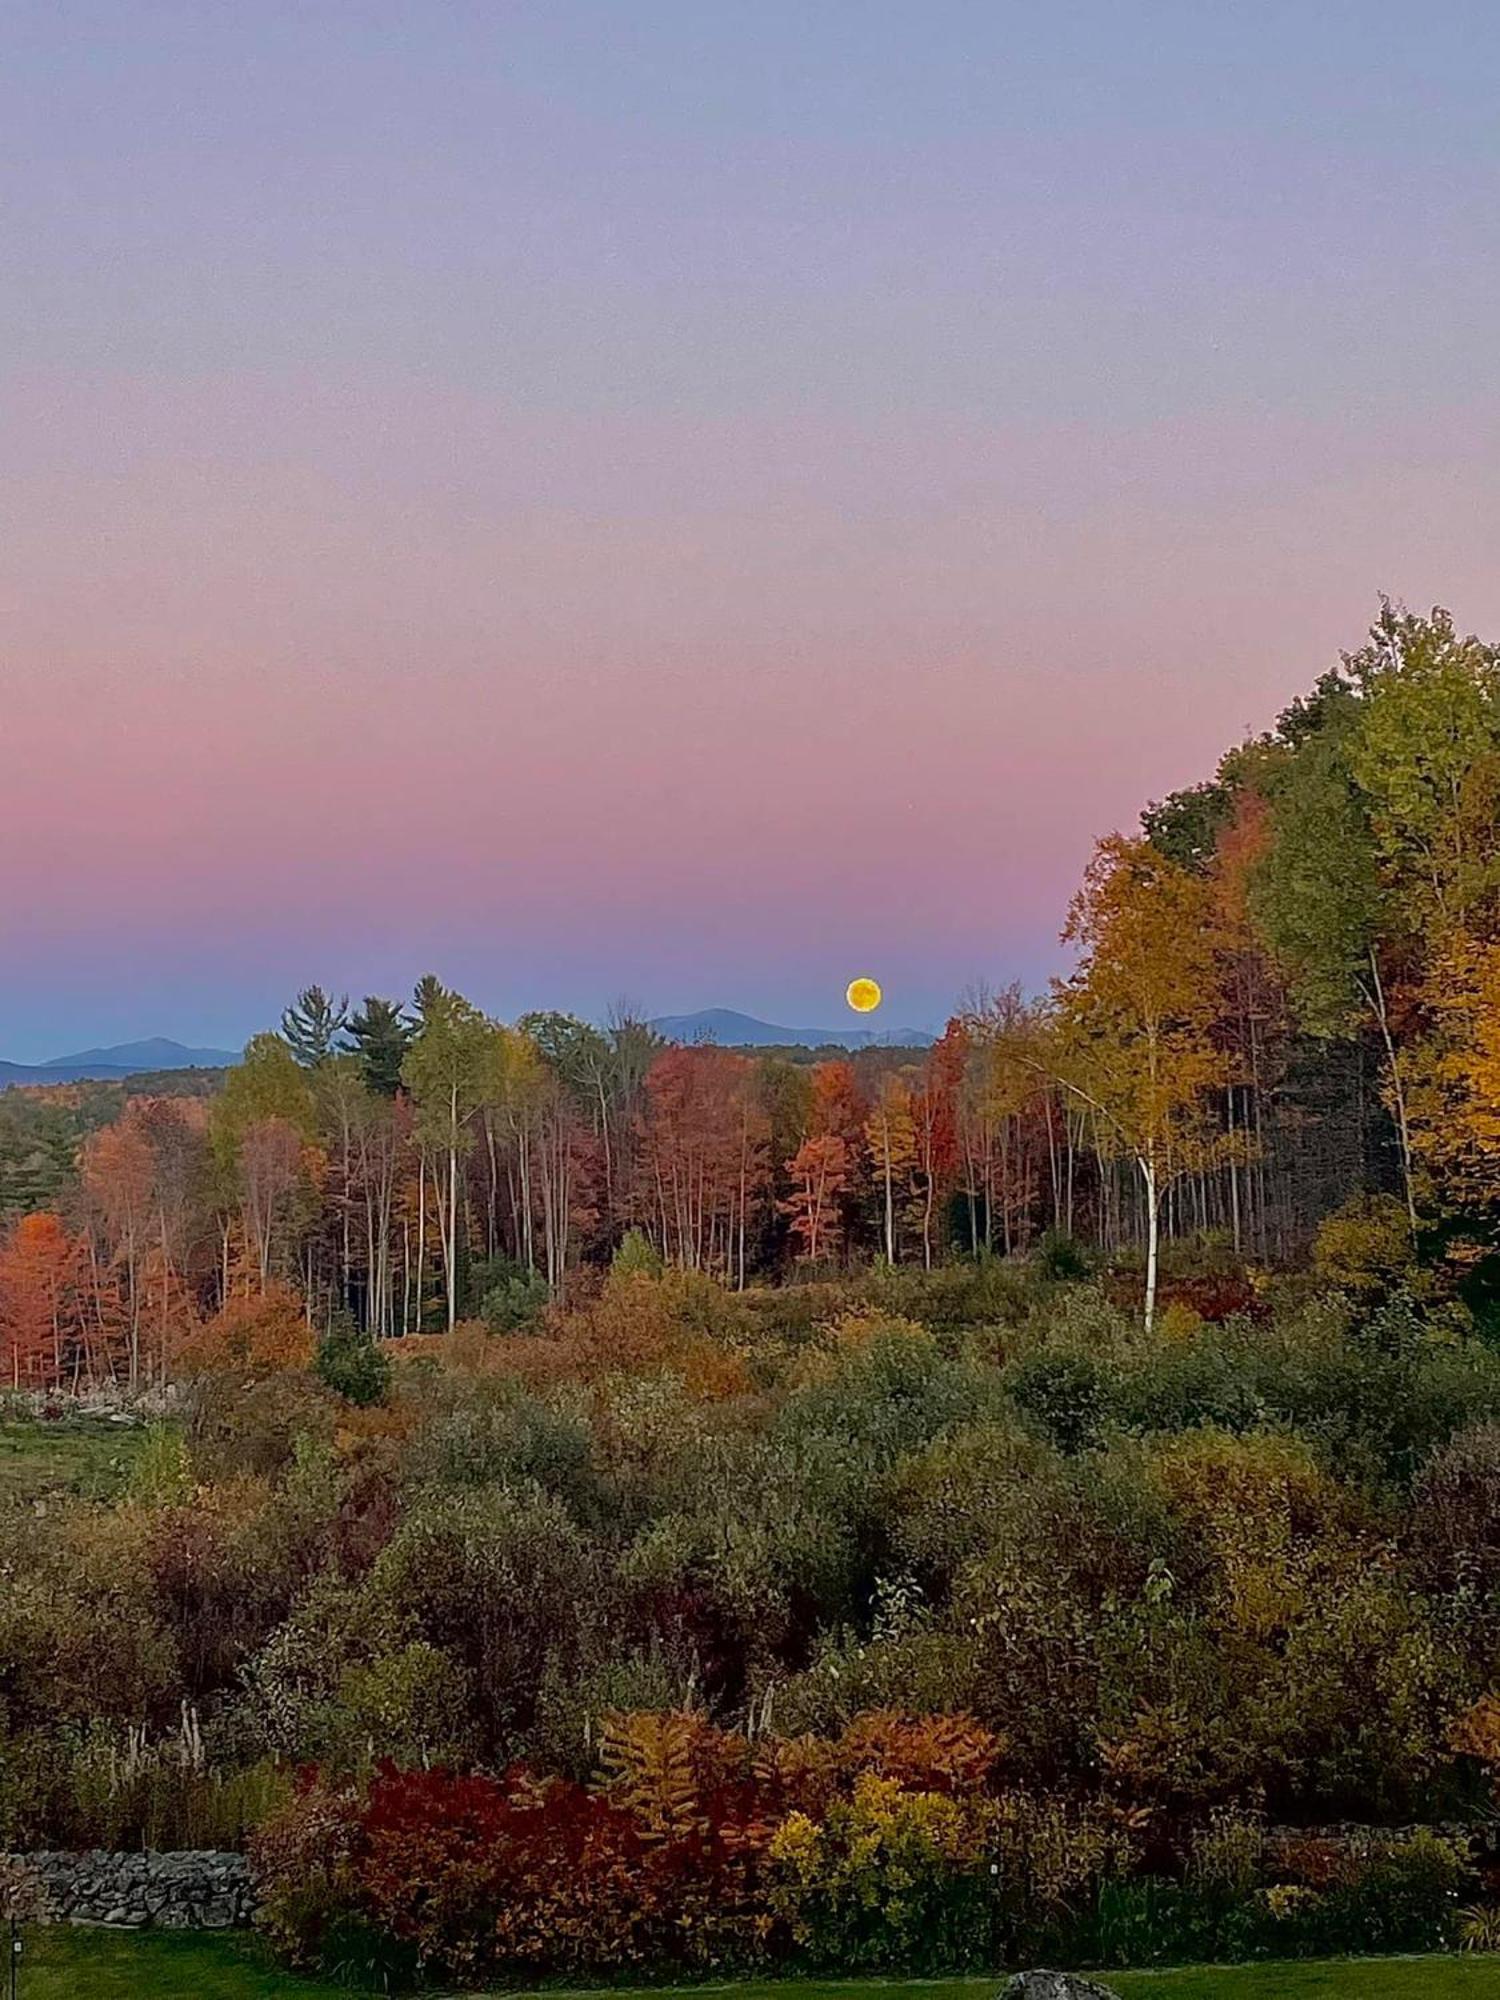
(691, 502)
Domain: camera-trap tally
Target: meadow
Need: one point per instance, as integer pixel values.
(86, 1456)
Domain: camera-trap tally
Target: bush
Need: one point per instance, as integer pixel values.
(468, 1877)
(258, 1335)
(162, 1473)
(514, 1301)
(1062, 1394)
(349, 1363)
(1365, 1246)
(1062, 1258)
(890, 1880)
(1405, 1899)
(112, 1787)
(636, 1253)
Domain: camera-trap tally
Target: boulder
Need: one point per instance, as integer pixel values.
(1043, 1985)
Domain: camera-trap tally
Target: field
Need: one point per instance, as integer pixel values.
(87, 1456)
(97, 1965)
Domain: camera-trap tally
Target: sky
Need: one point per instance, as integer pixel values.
(687, 503)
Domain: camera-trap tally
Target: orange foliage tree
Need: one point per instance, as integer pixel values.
(35, 1266)
(819, 1174)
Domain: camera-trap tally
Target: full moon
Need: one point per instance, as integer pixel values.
(863, 995)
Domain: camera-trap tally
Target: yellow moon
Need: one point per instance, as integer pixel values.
(863, 995)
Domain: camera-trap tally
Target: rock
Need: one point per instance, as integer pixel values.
(1043, 1985)
(181, 1891)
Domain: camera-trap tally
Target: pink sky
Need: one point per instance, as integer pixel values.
(595, 553)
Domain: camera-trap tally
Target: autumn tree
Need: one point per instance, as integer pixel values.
(271, 1161)
(36, 1262)
(261, 1125)
(1003, 1118)
(704, 1136)
(819, 1174)
(176, 1131)
(1426, 760)
(579, 1128)
(118, 1179)
(1135, 1023)
(1455, 1108)
(934, 1101)
(891, 1137)
(446, 1069)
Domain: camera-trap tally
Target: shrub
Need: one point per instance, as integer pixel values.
(890, 1879)
(636, 1253)
(1401, 1896)
(121, 1788)
(514, 1302)
(1455, 1514)
(1062, 1258)
(474, 1876)
(302, 1859)
(348, 1362)
(254, 1335)
(162, 1472)
(1061, 1393)
(1365, 1246)
(1479, 1928)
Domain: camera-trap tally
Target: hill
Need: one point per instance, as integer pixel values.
(109, 1065)
(732, 1030)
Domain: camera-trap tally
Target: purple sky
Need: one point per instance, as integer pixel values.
(693, 502)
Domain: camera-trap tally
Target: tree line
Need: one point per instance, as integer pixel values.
(1284, 1002)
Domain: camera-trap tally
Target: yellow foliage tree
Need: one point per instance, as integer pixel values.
(891, 1135)
(1455, 1097)
(1134, 1033)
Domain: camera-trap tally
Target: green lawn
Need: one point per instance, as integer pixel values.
(63, 1964)
(84, 1455)
(114, 1965)
(1339, 1979)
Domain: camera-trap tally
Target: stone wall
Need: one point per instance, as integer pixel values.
(196, 1890)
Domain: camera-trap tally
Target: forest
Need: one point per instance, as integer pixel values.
(576, 1505)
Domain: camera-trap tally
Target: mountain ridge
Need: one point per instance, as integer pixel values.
(727, 1028)
(114, 1063)
(155, 1052)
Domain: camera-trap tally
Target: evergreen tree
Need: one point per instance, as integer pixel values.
(313, 1024)
(380, 1034)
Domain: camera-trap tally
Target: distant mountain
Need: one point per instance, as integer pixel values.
(129, 1058)
(109, 1065)
(730, 1030)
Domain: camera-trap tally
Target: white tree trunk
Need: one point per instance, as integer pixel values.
(1153, 1233)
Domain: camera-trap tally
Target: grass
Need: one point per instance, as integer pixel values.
(83, 1455)
(1325, 1979)
(1349, 1979)
(64, 1964)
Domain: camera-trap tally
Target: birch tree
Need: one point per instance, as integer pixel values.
(445, 1070)
(1135, 1023)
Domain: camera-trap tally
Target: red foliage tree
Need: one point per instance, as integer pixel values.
(704, 1145)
